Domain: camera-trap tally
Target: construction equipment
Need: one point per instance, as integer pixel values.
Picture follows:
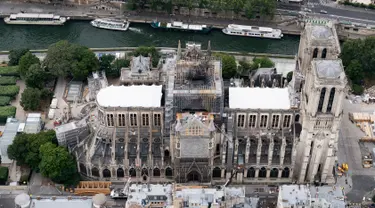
(90, 188)
(345, 167)
(234, 172)
(121, 193)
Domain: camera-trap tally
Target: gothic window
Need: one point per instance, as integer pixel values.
(133, 119)
(321, 99)
(157, 119)
(121, 119)
(110, 121)
(315, 53)
(330, 100)
(324, 53)
(252, 121)
(286, 121)
(263, 121)
(275, 121)
(145, 119)
(194, 131)
(241, 120)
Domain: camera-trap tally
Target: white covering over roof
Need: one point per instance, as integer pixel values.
(130, 96)
(259, 98)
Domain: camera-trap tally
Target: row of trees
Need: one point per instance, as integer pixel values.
(358, 57)
(41, 153)
(251, 8)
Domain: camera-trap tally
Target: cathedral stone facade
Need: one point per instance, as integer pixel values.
(192, 128)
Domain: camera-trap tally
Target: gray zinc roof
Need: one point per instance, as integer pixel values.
(321, 32)
(330, 69)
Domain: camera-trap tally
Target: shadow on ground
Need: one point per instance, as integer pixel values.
(361, 185)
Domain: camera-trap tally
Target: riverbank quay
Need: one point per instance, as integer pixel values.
(121, 52)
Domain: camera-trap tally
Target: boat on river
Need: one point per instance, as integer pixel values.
(111, 24)
(35, 19)
(181, 26)
(253, 31)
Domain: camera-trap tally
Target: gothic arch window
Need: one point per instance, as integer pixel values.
(156, 172)
(330, 100)
(216, 173)
(120, 173)
(250, 173)
(144, 172)
(324, 53)
(321, 99)
(296, 118)
(168, 172)
(166, 153)
(82, 169)
(262, 173)
(274, 173)
(315, 53)
(132, 172)
(106, 173)
(285, 173)
(95, 172)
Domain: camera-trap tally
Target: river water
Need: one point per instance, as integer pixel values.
(81, 32)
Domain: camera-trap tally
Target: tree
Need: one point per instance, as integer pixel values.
(19, 149)
(229, 66)
(263, 62)
(15, 56)
(357, 89)
(0, 160)
(244, 67)
(57, 164)
(84, 63)
(148, 52)
(265, 8)
(354, 71)
(30, 99)
(115, 70)
(105, 62)
(36, 77)
(26, 61)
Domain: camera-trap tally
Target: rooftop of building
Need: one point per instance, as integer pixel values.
(33, 123)
(10, 132)
(55, 202)
(140, 64)
(143, 193)
(329, 69)
(130, 96)
(259, 98)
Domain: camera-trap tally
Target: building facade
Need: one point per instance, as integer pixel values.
(270, 131)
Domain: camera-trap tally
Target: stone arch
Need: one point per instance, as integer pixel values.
(166, 153)
(315, 52)
(194, 176)
(274, 173)
(106, 173)
(321, 99)
(144, 172)
(263, 172)
(250, 173)
(156, 172)
(330, 99)
(82, 169)
(216, 172)
(132, 172)
(95, 172)
(120, 173)
(285, 173)
(324, 53)
(168, 172)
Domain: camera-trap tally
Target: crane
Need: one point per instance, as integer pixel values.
(121, 193)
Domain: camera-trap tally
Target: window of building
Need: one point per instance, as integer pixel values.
(194, 131)
(145, 119)
(275, 121)
(263, 121)
(286, 121)
(315, 53)
(110, 121)
(252, 121)
(241, 120)
(324, 53)
(157, 119)
(330, 100)
(133, 119)
(121, 119)
(321, 99)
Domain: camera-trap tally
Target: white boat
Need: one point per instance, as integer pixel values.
(35, 19)
(253, 31)
(111, 24)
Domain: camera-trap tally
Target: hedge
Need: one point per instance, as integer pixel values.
(4, 100)
(8, 80)
(3, 175)
(9, 90)
(7, 111)
(9, 71)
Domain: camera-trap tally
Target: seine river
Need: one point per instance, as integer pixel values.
(81, 32)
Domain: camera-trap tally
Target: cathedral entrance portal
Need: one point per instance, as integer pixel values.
(194, 176)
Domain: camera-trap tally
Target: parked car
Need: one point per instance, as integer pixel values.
(323, 11)
(307, 10)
